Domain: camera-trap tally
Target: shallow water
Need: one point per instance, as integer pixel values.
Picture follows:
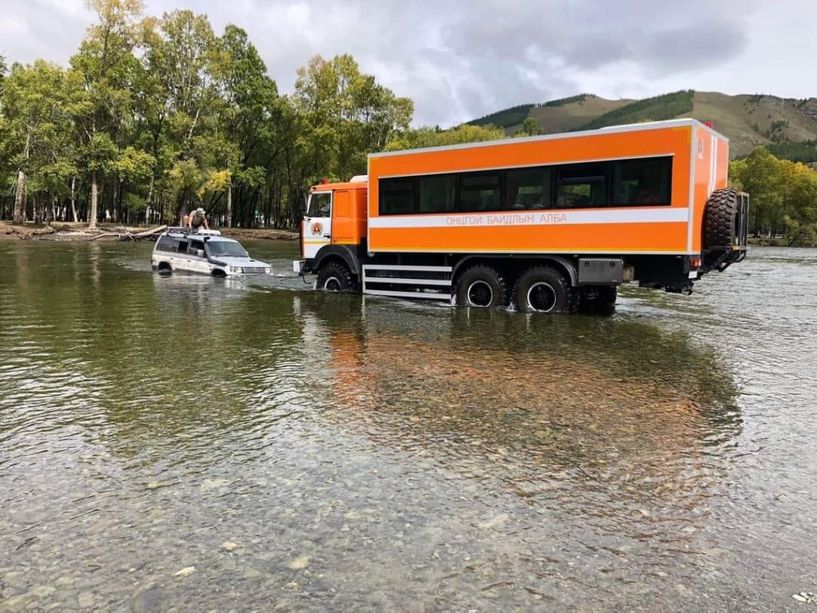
(284, 448)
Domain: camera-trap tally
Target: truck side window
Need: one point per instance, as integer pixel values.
(480, 192)
(437, 193)
(397, 197)
(645, 181)
(582, 185)
(528, 188)
(320, 204)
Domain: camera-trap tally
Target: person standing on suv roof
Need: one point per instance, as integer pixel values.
(197, 219)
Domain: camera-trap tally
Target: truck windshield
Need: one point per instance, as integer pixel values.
(230, 249)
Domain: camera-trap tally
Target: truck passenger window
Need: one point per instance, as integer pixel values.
(645, 181)
(582, 185)
(528, 188)
(437, 193)
(397, 197)
(480, 192)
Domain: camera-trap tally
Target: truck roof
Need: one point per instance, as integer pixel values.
(632, 127)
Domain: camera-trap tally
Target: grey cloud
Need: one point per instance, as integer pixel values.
(461, 60)
(50, 30)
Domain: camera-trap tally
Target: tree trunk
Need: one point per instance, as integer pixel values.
(73, 200)
(94, 197)
(20, 196)
(230, 205)
(150, 200)
(20, 199)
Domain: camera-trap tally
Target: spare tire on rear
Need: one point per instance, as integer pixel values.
(720, 219)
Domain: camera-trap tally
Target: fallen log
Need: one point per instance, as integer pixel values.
(127, 235)
(148, 233)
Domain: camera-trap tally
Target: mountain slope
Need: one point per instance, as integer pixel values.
(788, 127)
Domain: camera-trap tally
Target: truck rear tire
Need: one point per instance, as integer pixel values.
(720, 225)
(334, 277)
(544, 290)
(481, 287)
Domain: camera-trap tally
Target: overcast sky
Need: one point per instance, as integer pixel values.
(461, 60)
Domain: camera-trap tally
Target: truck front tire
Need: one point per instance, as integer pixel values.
(334, 277)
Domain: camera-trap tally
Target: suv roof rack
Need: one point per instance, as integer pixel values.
(181, 231)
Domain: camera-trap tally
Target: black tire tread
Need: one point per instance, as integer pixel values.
(336, 269)
(487, 273)
(719, 218)
(570, 304)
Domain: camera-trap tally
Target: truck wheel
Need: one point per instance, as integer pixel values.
(543, 290)
(481, 287)
(719, 219)
(334, 277)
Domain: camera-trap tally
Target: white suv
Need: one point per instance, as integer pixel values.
(206, 252)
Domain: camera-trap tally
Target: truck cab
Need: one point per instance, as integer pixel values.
(334, 228)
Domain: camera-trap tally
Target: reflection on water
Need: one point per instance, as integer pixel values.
(288, 448)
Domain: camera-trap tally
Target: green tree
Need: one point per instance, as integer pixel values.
(36, 129)
(108, 66)
(783, 196)
(344, 115)
(180, 106)
(248, 118)
(799, 187)
(530, 127)
(759, 174)
(435, 137)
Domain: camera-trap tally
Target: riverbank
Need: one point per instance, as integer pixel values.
(64, 231)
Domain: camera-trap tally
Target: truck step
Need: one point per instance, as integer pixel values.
(407, 281)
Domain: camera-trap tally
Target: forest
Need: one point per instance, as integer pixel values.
(783, 197)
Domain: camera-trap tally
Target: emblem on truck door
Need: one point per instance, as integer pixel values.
(317, 228)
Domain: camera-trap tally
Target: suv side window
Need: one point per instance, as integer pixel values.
(196, 247)
(167, 244)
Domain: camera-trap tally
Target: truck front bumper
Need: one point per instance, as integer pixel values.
(298, 266)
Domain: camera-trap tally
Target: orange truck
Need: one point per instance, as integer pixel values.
(547, 223)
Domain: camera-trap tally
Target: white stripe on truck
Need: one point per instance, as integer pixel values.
(532, 218)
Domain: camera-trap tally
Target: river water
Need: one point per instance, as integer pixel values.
(195, 443)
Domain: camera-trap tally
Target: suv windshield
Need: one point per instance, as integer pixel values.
(230, 249)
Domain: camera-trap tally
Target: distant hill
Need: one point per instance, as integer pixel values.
(787, 127)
